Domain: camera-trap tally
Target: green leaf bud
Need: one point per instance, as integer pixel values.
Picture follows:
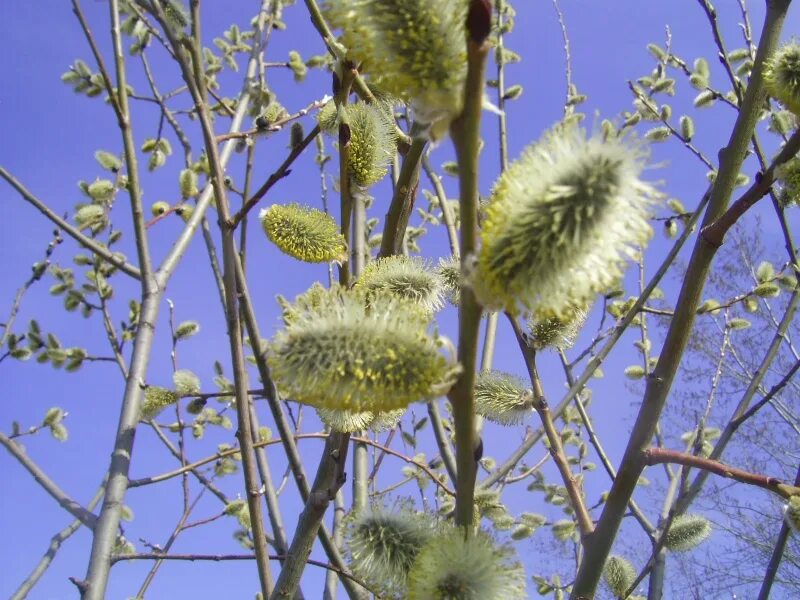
(59, 432)
(184, 211)
(705, 99)
(634, 372)
(101, 190)
(307, 234)
(108, 161)
(298, 67)
(90, 216)
(188, 184)
(186, 329)
(53, 416)
(767, 290)
(159, 208)
(687, 127)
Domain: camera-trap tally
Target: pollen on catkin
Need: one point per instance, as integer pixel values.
(409, 278)
(372, 143)
(381, 544)
(455, 566)
(345, 421)
(156, 399)
(305, 233)
(687, 532)
(349, 354)
(782, 76)
(561, 221)
(788, 175)
(502, 397)
(413, 49)
(349, 421)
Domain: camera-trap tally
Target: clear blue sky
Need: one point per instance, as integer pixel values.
(50, 135)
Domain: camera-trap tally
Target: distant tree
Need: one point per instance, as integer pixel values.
(553, 252)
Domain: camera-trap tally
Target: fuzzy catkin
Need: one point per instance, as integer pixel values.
(349, 354)
(412, 49)
(305, 233)
(560, 223)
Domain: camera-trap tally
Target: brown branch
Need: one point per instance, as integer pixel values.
(274, 441)
(279, 174)
(556, 448)
(715, 232)
(229, 557)
(48, 485)
(654, 456)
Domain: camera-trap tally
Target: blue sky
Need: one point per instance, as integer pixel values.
(50, 137)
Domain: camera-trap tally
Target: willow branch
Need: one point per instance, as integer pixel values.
(48, 485)
(465, 131)
(85, 241)
(55, 545)
(659, 383)
(654, 456)
(556, 448)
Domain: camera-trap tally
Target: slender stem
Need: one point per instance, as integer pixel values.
(358, 245)
(71, 231)
(230, 557)
(777, 555)
(556, 448)
(274, 441)
(55, 545)
(465, 131)
(660, 381)
(105, 533)
(654, 456)
(195, 79)
(48, 485)
(741, 412)
(282, 171)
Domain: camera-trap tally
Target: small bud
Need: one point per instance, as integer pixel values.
(296, 135)
(159, 208)
(619, 574)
